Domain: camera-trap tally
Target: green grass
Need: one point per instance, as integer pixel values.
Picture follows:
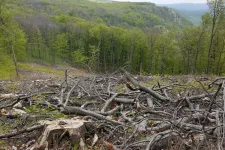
(46, 69)
(6, 73)
(49, 69)
(7, 69)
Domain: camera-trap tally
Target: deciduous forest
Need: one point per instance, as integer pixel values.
(106, 36)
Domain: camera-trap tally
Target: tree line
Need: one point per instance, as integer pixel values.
(156, 50)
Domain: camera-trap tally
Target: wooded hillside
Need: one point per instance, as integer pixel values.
(106, 36)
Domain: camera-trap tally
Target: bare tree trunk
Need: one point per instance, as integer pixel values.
(162, 59)
(188, 61)
(197, 51)
(141, 68)
(13, 52)
(131, 54)
(215, 14)
(219, 61)
(14, 59)
(150, 55)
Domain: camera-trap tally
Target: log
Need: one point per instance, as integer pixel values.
(196, 97)
(8, 96)
(143, 88)
(124, 100)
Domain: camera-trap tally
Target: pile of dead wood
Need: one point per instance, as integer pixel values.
(134, 117)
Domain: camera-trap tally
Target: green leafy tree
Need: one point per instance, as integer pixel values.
(217, 8)
(61, 46)
(35, 43)
(79, 57)
(11, 36)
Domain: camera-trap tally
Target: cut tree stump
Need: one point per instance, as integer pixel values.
(74, 128)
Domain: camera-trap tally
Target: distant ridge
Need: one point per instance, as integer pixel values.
(101, 1)
(187, 6)
(190, 11)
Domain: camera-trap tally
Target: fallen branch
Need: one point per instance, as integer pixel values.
(143, 88)
(108, 102)
(76, 110)
(19, 98)
(124, 100)
(21, 132)
(196, 97)
(160, 136)
(71, 90)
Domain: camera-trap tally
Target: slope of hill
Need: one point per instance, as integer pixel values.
(190, 11)
(76, 31)
(121, 14)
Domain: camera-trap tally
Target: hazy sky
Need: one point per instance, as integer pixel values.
(167, 1)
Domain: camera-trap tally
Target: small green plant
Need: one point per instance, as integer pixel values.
(38, 97)
(2, 143)
(32, 109)
(48, 111)
(76, 146)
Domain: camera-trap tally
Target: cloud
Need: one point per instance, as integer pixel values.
(166, 1)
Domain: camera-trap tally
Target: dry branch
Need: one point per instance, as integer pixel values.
(37, 127)
(160, 136)
(197, 97)
(68, 95)
(108, 102)
(79, 111)
(18, 98)
(124, 100)
(143, 88)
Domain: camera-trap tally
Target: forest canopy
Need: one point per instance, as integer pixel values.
(105, 36)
